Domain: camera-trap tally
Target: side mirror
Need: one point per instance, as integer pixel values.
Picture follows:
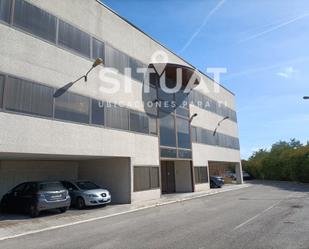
(15, 193)
(70, 189)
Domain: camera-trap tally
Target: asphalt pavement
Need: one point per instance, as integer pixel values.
(266, 215)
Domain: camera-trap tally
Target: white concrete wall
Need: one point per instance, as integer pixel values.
(13, 173)
(24, 134)
(112, 174)
(203, 153)
(209, 120)
(183, 176)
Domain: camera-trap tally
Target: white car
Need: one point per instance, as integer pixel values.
(86, 193)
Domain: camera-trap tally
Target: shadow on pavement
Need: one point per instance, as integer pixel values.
(284, 185)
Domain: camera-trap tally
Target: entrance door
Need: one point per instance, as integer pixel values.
(168, 177)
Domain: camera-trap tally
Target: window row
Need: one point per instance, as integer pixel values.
(146, 178)
(40, 23)
(23, 96)
(174, 131)
(204, 136)
(200, 174)
(175, 153)
(200, 100)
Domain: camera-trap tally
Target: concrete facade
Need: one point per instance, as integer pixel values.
(41, 148)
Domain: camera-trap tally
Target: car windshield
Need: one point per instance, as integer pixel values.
(50, 186)
(87, 185)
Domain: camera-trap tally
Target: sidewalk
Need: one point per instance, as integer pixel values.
(12, 226)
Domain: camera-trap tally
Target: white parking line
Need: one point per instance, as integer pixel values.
(120, 213)
(259, 214)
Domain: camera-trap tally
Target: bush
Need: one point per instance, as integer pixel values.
(285, 161)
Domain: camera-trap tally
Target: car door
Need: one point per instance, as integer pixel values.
(28, 196)
(73, 190)
(13, 197)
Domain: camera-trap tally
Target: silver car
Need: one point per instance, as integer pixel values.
(34, 197)
(86, 193)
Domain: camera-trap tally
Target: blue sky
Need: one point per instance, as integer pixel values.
(263, 44)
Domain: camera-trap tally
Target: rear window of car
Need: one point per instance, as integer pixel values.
(51, 186)
(87, 185)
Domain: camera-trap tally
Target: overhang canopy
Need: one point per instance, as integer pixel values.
(170, 70)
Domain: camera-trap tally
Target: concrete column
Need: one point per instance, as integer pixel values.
(238, 170)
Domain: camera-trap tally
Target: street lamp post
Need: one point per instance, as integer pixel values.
(63, 89)
(192, 117)
(219, 123)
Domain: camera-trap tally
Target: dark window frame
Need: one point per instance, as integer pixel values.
(64, 112)
(28, 84)
(146, 181)
(6, 19)
(198, 174)
(18, 23)
(67, 43)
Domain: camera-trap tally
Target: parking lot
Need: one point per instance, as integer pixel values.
(12, 225)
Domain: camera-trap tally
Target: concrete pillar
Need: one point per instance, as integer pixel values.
(238, 170)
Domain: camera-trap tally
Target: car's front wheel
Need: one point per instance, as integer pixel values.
(80, 203)
(33, 211)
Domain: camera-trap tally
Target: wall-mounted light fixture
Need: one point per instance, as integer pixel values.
(192, 117)
(219, 123)
(63, 89)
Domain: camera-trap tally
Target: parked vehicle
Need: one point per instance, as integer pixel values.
(246, 176)
(231, 175)
(86, 193)
(216, 181)
(34, 197)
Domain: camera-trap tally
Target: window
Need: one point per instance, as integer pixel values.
(184, 153)
(193, 134)
(116, 59)
(182, 111)
(204, 136)
(69, 186)
(72, 107)
(146, 178)
(98, 49)
(153, 125)
(30, 188)
(154, 177)
(34, 20)
(1, 90)
(117, 117)
(5, 9)
(181, 99)
(74, 38)
(97, 112)
(134, 65)
(168, 153)
(183, 133)
(19, 188)
(139, 122)
(27, 97)
(201, 174)
(149, 99)
(167, 130)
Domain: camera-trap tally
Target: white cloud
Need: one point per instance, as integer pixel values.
(287, 72)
